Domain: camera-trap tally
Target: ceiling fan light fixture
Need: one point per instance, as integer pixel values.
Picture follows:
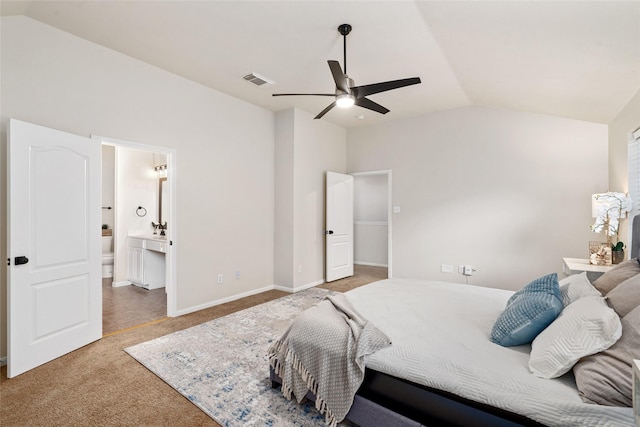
(345, 100)
(347, 93)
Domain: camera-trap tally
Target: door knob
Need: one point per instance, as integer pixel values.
(329, 232)
(19, 260)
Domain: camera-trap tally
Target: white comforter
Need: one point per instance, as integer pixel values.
(440, 338)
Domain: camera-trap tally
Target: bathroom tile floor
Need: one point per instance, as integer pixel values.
(127, 306)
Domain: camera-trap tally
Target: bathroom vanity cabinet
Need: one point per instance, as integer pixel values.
(146, 261)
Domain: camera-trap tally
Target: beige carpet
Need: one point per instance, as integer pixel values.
(101, 385)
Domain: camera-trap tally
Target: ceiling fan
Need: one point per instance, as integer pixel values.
(347, 94)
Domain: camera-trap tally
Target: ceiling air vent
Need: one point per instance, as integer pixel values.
(257, 79)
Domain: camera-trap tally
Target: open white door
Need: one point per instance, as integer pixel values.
(339, 233)
(55, 288)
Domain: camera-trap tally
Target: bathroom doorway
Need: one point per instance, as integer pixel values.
(138, 189)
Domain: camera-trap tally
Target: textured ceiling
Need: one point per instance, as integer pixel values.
(575, 59)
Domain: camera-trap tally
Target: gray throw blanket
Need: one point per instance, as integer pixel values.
(323, 351)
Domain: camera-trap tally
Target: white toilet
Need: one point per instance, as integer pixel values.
(107, 256)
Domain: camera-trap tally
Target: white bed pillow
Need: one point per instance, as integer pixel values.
(576, 286)
(585, 327)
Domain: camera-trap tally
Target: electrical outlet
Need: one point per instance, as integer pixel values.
(237, 275)
(220, 278)
(468, 270)
(300, 268)
(445, 268)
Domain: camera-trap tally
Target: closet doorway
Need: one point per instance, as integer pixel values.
(138, 191)
(372, 219)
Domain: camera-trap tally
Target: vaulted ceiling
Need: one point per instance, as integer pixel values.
(575, 59)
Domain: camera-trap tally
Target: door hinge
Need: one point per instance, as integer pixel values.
(8, 261)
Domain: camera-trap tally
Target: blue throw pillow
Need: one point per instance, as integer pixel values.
(529, 311)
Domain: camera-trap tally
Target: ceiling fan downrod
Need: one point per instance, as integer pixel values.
(344, 29)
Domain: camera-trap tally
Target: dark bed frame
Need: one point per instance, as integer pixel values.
(384, 400)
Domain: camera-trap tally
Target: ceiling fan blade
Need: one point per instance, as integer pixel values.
(362, 91)
(370, 105)
(303, 94)
(338, 76)
(325, 111)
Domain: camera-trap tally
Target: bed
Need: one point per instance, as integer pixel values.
(444, 370)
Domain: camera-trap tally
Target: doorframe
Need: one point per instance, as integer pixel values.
(388, 173)
(172, 232)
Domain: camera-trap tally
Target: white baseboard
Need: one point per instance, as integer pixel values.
(298, 288)
(246, 294)
(370, 264)
(121, 283)
(223, 300)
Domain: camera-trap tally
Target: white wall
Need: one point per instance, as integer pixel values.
(370, 243)
(136, 185)
(370, 197)
(283, 274)
(108, 184)
(370, 211)
(224, 149)
(305, 150)
(320, 146)
(506, 192)
(627, 121)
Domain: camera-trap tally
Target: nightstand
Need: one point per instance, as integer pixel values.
(578, 265)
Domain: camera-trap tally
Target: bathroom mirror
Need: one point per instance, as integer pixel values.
(163, 201)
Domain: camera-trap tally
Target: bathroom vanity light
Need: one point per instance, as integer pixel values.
(161, 170)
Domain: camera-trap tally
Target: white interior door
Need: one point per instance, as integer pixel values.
(339, 232)
(55, 288)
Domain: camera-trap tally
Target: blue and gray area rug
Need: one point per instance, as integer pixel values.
(222, 367)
